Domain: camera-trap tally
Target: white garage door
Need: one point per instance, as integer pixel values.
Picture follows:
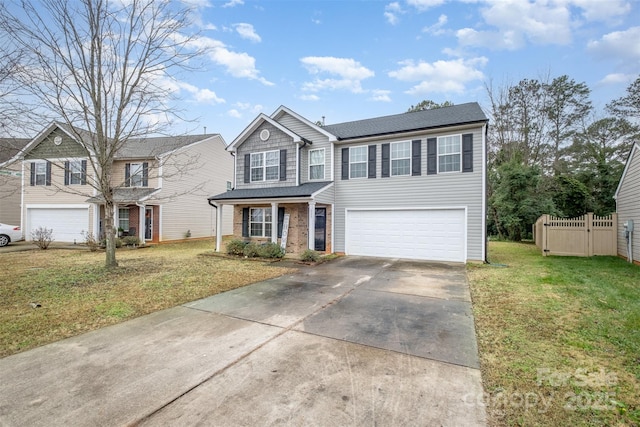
(67, 223)
(430, 234)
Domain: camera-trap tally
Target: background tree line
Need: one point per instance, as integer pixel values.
(551, 152)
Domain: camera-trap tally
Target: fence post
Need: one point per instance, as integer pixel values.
(590, 233)
(545, 221)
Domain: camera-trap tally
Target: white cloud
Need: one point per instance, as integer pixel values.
(244, 107)
(310, 97)
(247, 31)
(233, 3)
(601, 10)
(440, 76)
(623, 46)
(380, 95)
(423, 5)
(208, 97)
(348, 73)
(391, 12)
(436, 29)
(618, 78)
(234, 113)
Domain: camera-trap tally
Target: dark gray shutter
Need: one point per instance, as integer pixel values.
(467, 152)
(386, 160)
(145, 174)
(245, 222)
(416, 157)
(32, 179)
(247, 168)
(345, 163)
(432, 156)
(127, 175)
(372, 161)
(84, 173)
(48, 181)
(280, 220)
(67, 172)
(283, 165)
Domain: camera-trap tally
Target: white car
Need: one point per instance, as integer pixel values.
(9, 233)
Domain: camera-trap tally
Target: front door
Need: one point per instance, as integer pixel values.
(148, 224)
(321, 229)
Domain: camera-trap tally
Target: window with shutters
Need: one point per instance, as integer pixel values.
(401, 158)
(358, 162)
(265, 166)
(136, 175)
(316, 164)
(40, 173)
(75, 172)
(449, 153)
(260, 222)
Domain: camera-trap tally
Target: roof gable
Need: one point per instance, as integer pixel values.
(10, 148)
(627, 166)
(262, 118)
(406, 122)
(282, 110)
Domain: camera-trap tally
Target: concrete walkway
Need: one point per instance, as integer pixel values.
(358, 341)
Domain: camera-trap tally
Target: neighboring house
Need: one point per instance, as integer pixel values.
(10, 182)
(628, 205)
(159, 183)
(409, 185)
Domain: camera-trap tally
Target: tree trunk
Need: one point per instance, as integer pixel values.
(110, 234)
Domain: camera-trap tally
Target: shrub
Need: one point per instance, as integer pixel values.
(131, 240)
(118, 242)
(42, 237)
(310, 255)
(90, 241)
(251, 250)
(236, 247)
(270, 250)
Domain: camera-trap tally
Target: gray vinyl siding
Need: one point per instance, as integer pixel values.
(454, 189)
(46, 149)
(278, 140)
(327, 197)
(628, 205)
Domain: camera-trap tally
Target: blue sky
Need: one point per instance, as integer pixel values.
(349, 60)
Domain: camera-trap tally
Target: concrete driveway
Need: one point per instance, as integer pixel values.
(358, 341)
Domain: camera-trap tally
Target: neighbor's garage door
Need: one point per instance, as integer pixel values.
(433, 234)
(67, 223)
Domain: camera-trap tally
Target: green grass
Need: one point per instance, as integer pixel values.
(77, 294)
(559, 337)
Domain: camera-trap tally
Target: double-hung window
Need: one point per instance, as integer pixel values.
(316, 164)
(40, 173)
(136, 177)
(75, 172)
(358, 162)
(260, 222)
(123, 218)
(449, 153)
(401, 158)
(265, 166)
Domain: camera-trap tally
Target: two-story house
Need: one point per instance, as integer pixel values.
(409, 185)
(157, 182)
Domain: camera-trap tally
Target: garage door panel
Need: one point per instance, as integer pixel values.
(67, 223)
(433, 234)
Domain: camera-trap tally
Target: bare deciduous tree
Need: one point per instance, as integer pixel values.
(101, 66)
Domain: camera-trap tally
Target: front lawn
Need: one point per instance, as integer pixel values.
(76, 294)
(559, 338)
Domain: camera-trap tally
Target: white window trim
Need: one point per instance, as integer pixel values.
(459, 135)
(391, 159)
(37, 163)
(71, 173)
(120, 218)
(263, 222)
(264, 166)
(324, 169)
(366, 162)
(136, 174)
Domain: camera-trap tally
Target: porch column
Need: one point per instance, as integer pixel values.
(142, 211)
(96, 221)
(274, 222)
(218, 227)
(312, 225)
(116, 219)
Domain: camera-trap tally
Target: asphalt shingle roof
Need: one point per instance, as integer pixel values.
(9, 147)
(303, 190)
(126, 195)
(425, 119)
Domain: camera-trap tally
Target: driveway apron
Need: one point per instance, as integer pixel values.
(357, 341)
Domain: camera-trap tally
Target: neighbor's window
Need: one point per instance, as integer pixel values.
(123, 218)
(316, 164)
(260, 222)
(400, 158)
(449, 153)
(358, 162)
(265, 166)
(41, 173)
(75, 172)
(136, 175)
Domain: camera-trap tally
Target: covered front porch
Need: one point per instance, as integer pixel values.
(296, 218)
